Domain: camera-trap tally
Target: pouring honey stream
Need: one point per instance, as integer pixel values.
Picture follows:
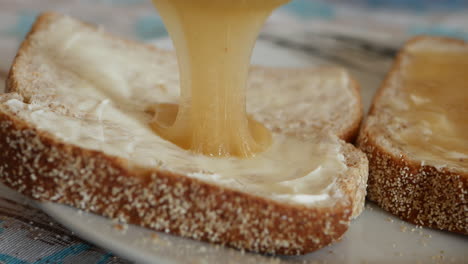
(214, 40)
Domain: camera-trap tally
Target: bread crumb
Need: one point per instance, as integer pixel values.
(121, 227)
(403, 228)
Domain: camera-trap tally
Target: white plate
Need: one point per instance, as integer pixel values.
(375, 237)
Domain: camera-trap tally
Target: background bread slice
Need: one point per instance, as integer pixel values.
(417, 191)
(44, 166)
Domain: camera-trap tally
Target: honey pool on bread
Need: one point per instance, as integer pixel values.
(435, 112)
(103, 107)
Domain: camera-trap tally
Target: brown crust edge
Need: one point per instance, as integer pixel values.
(11, 83)
(420, 194)
(44, 169)
(40, 167)
(350, 135)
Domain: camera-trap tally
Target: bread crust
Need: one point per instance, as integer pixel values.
(40, 166)
(417, 193)
(351, 133)
(43, 168)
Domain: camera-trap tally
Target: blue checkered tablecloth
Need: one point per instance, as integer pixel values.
(27, 235)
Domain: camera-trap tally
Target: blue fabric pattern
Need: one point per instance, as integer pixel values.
(306, 8)
(23, 24)
(150, 27)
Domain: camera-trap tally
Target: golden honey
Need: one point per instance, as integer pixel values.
(214, 41)
(436, 84)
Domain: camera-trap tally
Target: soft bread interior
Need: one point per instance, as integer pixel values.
(91, 90)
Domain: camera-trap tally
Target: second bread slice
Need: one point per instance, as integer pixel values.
(416, 171)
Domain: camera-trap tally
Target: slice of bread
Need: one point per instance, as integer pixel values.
(407, 178)
(73, 130)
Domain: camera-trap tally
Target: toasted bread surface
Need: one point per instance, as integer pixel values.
(426, 193)
(41, 164)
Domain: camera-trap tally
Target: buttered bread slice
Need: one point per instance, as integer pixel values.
(416, 136)
(75, 130)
